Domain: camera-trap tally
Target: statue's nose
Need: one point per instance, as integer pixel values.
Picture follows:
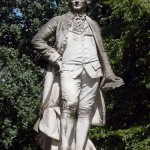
(77, 2)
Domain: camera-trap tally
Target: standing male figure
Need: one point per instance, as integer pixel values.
(82, 62)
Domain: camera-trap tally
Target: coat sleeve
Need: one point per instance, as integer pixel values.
(110, 80)
(39, 41)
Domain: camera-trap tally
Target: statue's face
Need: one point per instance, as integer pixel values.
(78, 5)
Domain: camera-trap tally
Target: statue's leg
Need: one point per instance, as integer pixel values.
(89, 88)
(70, 92)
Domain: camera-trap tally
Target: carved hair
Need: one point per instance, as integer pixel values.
(87, 2)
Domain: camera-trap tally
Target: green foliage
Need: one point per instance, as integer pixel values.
(135, 138)
(125, 29)
(126, 34)
(20, 95)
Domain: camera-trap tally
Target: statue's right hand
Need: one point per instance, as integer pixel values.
(59, 62)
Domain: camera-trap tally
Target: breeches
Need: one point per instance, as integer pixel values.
(79, 93)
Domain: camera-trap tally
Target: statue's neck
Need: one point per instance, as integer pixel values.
(81, 14)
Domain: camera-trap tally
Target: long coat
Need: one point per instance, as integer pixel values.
(49, 121)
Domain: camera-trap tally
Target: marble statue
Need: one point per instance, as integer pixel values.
(78, 70)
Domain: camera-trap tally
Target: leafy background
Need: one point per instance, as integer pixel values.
(125, 26)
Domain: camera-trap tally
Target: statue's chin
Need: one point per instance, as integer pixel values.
(78, 9)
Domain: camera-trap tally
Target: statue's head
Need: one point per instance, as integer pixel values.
(78, 5)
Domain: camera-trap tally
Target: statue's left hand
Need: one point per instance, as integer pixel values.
(111, 82)
(110, 78)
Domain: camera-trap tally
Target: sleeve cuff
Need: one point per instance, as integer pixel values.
(53, 55)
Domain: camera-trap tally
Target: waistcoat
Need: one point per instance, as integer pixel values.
(81, 47)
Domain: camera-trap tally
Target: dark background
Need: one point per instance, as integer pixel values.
(125, 28)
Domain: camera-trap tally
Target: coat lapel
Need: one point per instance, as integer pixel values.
(96, 32)
(67, 24)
